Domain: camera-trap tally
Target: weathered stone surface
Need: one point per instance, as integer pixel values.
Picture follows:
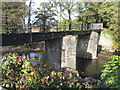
(106, 42)
(82, 46)
(68, 59)
(87, 45)
(92, 44)
(61, 53)
(53, 53)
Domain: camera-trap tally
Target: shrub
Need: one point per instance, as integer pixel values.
(111, 74)
(19, 73)
(61, 80)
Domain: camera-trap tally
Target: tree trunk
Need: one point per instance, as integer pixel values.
(69, 13)
(29, 18)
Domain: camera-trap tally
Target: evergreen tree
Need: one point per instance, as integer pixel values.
(45, 16)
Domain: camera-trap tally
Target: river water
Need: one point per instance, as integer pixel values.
(91, 68)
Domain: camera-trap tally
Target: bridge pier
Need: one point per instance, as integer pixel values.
(61, 53)
(68, 59)
(87, 45)
(53, 50)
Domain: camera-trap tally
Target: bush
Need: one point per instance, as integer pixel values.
(111, 74)
(19, 73)
(60, 80)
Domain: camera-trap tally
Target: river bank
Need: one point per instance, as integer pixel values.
(27, 47)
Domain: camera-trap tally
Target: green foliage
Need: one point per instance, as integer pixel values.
(45, 16)
(14, 9)
(61, 80)
(16, 13)
(19, 73)
(102, 12)
(109, 15)
(111, 73)
(91, 14)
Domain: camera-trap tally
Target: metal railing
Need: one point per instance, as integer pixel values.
(9, 25)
